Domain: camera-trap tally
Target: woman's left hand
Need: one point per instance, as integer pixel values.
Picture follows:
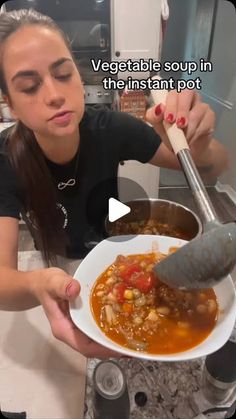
(195, 117)
(54, 289)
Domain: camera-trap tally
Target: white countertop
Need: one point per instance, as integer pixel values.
(38, 374)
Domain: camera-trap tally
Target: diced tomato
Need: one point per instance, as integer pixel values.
(127, 273)
(120, 290)
(145, 281)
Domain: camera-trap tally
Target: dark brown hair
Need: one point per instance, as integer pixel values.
(27, 158)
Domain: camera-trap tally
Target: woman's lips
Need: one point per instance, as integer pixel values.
(62, 118)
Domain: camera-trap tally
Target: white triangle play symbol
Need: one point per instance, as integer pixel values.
(116, 210)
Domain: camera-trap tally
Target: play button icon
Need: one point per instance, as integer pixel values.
(116, 210)
(111, 206)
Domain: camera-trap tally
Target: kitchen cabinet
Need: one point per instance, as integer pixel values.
(135, 28)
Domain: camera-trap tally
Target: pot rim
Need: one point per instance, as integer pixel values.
(177, 204)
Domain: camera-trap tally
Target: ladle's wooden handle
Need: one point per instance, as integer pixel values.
(181, 149)
(176, 135)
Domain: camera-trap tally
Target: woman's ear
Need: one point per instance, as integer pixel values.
(7, 100)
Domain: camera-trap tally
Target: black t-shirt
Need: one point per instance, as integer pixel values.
(106, 138)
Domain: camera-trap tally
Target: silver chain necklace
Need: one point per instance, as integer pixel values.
(72, 180)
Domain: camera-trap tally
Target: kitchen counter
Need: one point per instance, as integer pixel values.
(38, 374)
(173, 390)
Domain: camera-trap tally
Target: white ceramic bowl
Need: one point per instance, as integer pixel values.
(103, 255)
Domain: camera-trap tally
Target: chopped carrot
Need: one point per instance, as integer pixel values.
(127, 308)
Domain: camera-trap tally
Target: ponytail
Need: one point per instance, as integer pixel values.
(26, 156)
(38, 190)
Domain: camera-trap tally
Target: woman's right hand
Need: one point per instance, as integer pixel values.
(54, 288)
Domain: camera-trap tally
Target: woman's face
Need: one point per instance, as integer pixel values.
(44, 86)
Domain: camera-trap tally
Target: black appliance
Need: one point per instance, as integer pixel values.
(87, 24)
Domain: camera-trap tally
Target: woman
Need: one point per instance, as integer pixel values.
(58, 154)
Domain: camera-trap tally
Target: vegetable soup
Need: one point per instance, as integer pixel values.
(151, 226)
(136, 310)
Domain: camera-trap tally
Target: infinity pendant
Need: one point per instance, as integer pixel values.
(63, 185)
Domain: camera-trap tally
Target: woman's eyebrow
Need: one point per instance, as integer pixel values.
(24, 73)
(59, 62)
(32, 73)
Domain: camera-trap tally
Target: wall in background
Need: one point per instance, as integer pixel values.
(220, 90)
(219, 87)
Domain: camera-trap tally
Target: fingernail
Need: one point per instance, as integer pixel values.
(158, 110)
(170, 117)
(72, 289)
(68, 289)
(181, 121)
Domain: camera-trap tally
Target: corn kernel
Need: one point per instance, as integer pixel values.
(128, 294)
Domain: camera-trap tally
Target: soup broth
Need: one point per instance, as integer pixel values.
(136, 310)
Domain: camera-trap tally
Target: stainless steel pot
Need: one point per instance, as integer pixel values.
(164, 212)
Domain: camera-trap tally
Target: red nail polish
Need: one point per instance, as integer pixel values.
(170, 117)
(181, 121)
(158, 110)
